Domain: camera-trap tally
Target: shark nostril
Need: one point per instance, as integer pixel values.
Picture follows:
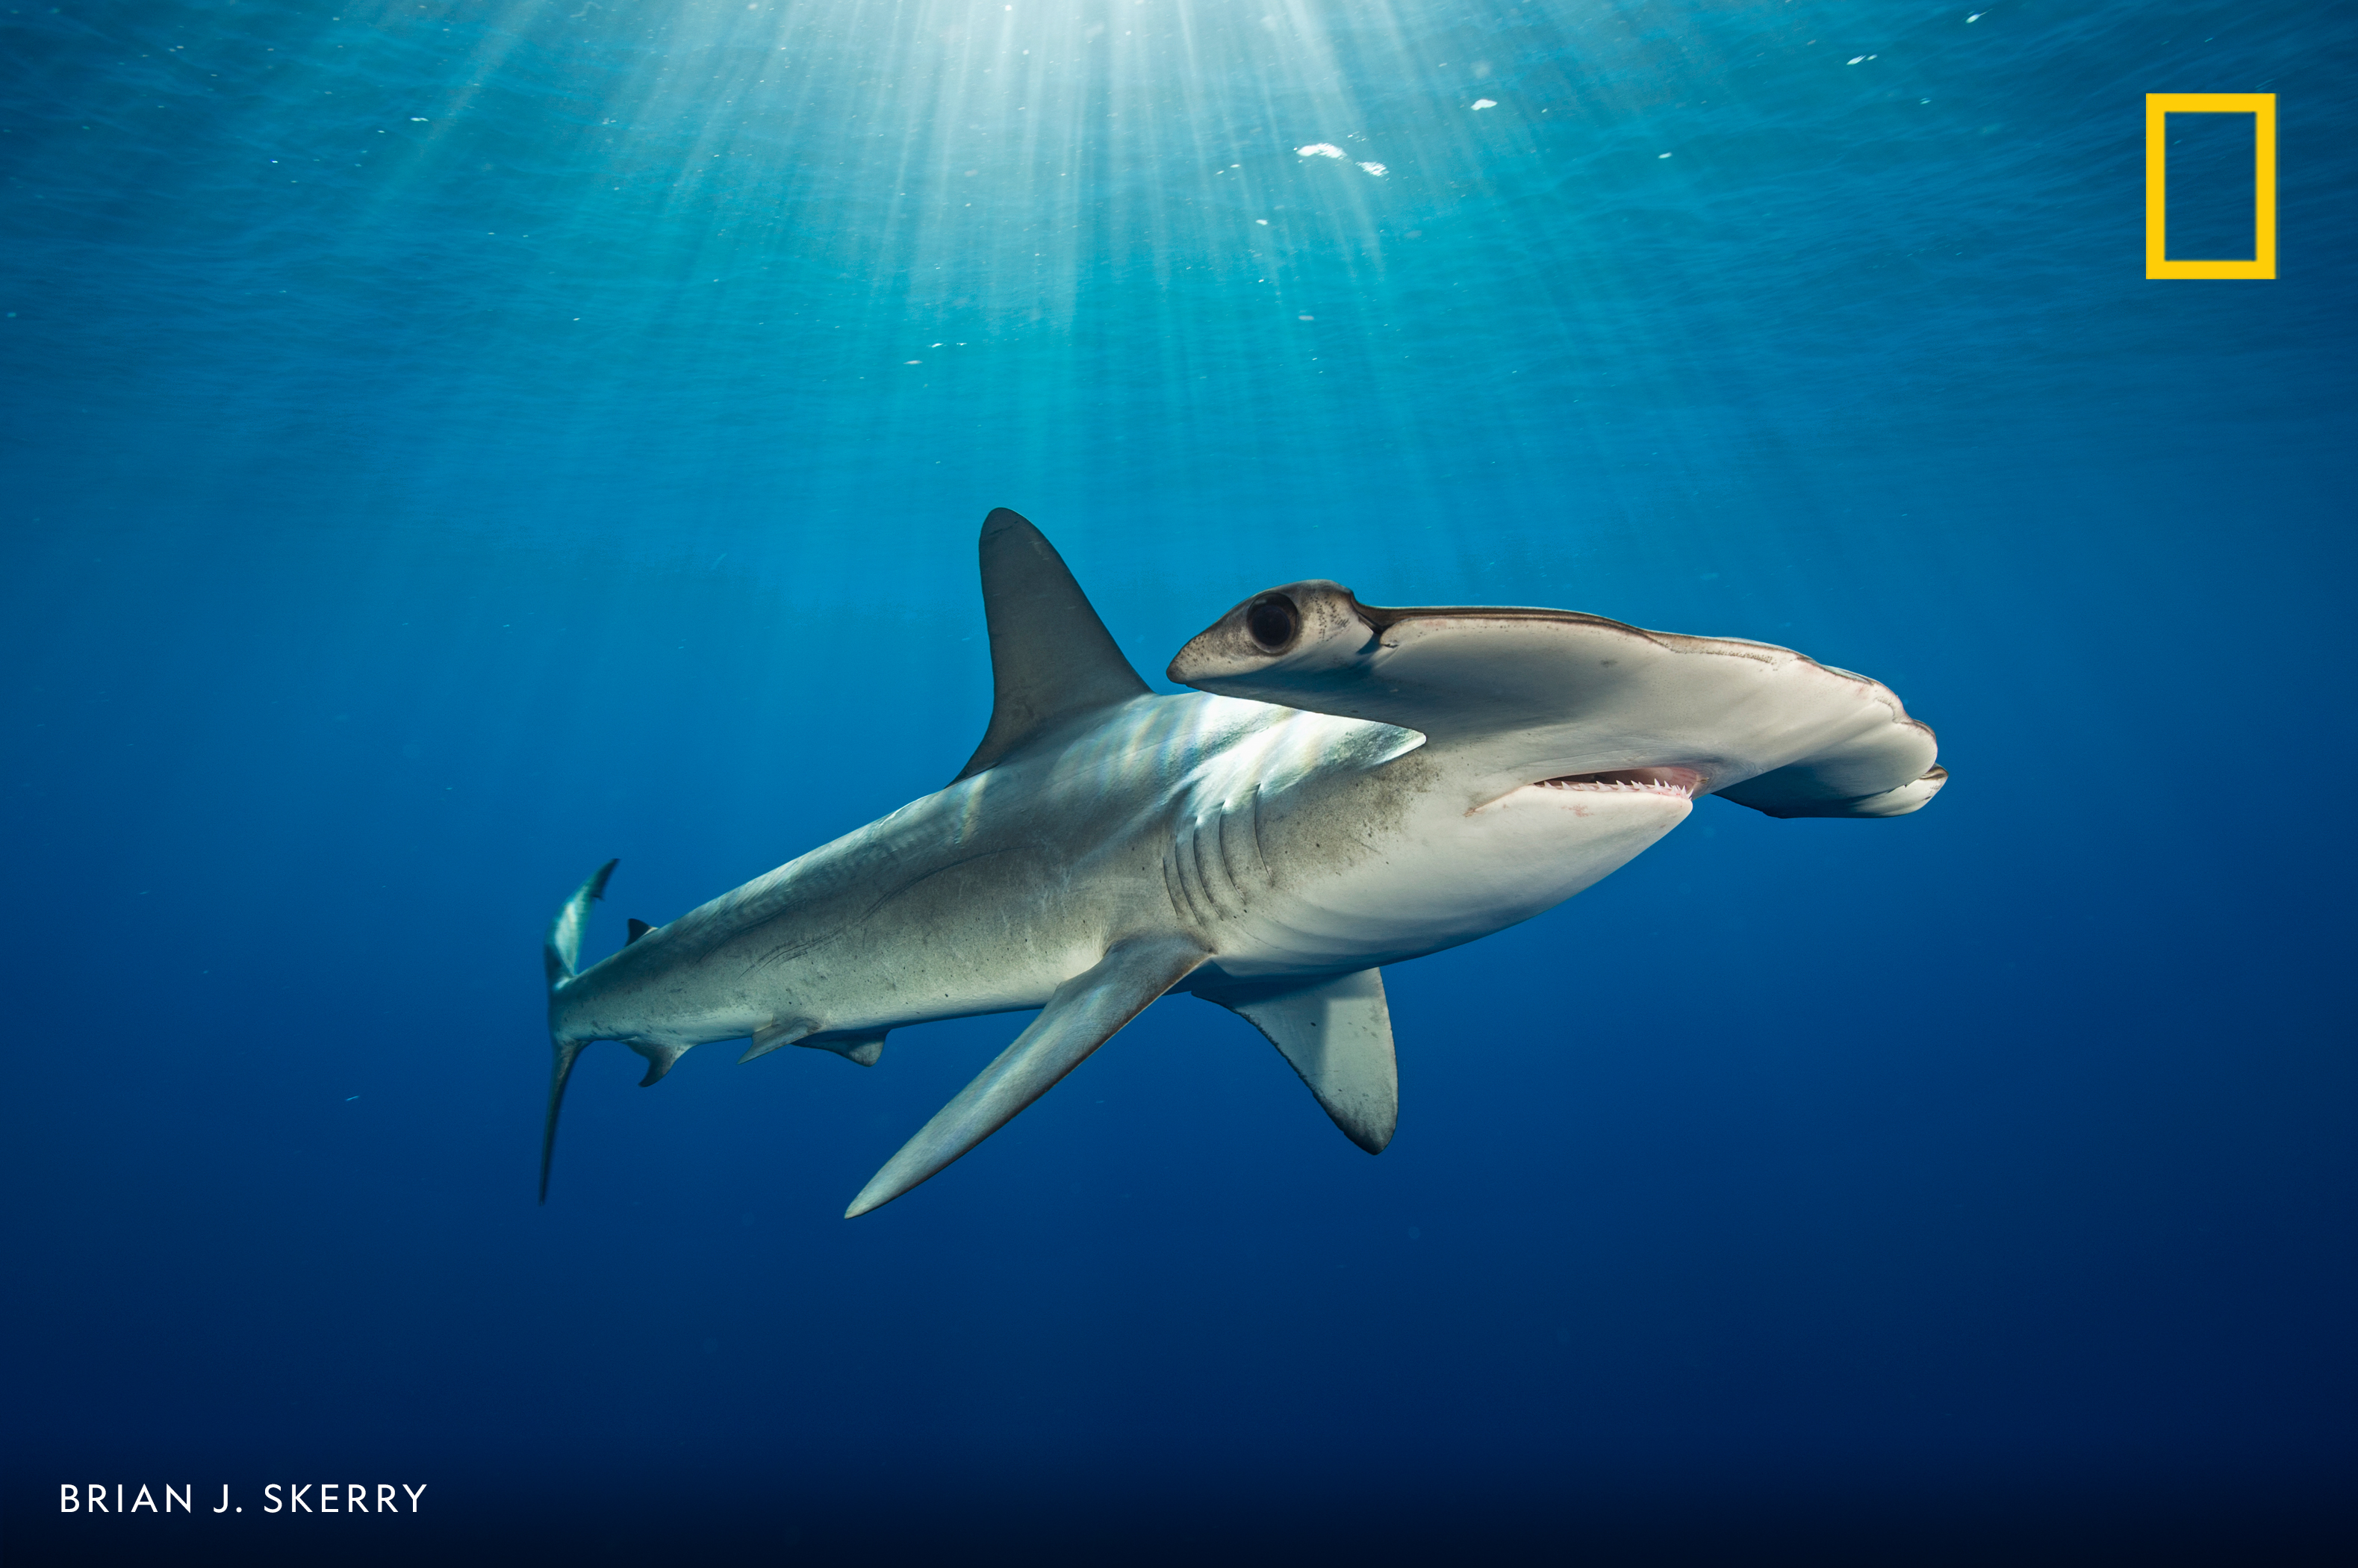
(1273, 622)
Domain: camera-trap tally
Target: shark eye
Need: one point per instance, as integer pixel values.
(1273, 622)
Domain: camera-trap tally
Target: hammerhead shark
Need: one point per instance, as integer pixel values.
(1345, 787)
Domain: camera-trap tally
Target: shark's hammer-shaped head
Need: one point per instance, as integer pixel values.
(1506, 815)
(1516, 698)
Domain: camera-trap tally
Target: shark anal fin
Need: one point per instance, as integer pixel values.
(1337, 1033)
(638, 928)
(1085, 1012)
(1050, 657)
(861, 1045)
(660, 1059)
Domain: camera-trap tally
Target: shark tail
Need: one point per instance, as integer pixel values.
(560, 952)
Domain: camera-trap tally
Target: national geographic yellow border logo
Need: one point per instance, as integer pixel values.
(2262, 107)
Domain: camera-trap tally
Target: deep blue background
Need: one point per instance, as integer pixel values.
(526, 467)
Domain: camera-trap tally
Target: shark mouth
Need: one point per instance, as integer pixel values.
(1680, 782)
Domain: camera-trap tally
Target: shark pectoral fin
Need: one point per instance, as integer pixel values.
(1085, 1012)
(861, 1045)
(1339, 1036)
(659, 1060)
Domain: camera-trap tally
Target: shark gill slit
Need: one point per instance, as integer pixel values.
(1191, 878)
(1226, 863)
(1176, 886)
(1229, 872)
(1191, 875)
(1207, 864)
(1204, 842)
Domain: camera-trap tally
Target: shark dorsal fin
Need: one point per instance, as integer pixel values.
(638, 928)
(1050, 657)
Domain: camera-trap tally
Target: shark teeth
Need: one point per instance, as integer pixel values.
(1680, 782)
(1618, 787)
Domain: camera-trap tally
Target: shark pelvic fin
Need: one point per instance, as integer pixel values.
(769, 1037)
(1084, 1014)
(638, 928)
(660, 1060)
(1050, 657)
(1338, 1034)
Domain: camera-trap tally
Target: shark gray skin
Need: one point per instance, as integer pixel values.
(1346, 787)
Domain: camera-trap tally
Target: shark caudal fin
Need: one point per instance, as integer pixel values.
(560, 953)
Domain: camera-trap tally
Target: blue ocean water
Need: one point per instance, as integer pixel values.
(448, 444)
